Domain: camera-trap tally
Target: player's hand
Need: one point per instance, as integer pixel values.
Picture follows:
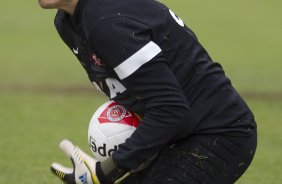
(84, 167)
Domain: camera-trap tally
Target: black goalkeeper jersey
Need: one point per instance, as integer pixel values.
(142, 55)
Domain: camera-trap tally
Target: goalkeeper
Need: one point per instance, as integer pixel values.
(195, 128)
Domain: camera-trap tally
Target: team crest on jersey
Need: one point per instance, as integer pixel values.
(115, 113)
(97, 61)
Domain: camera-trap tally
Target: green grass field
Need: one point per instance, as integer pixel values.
(45, 95)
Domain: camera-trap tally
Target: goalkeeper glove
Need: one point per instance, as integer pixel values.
(84, 170)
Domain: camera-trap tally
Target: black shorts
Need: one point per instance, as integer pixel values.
(200, 159)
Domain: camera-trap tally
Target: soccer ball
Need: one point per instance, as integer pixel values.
(110, 126)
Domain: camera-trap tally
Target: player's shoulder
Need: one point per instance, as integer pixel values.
(59, 17)
(61, 21)
(139, 10)
(64, 27)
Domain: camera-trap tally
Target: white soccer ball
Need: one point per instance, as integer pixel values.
(110, 126)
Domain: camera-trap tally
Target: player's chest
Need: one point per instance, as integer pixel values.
(100, 75)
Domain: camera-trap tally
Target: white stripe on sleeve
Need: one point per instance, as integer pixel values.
(130, 65)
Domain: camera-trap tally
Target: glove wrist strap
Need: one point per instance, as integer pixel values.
(108, 173)
(100, 174)
(108, 166)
